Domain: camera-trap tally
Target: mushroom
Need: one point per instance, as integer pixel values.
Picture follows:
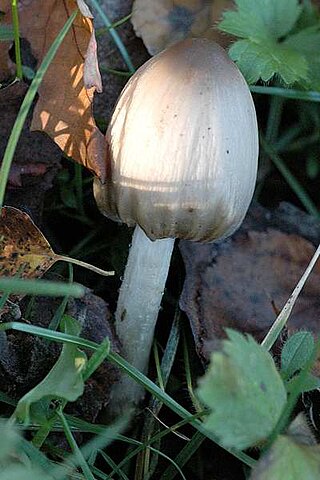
(182, 149)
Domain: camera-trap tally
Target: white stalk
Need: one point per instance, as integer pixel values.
(138, 307)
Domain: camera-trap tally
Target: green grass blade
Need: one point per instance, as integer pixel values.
(146, 463)
(58, 314)
(115, 36)
(16, 33)
(26, 105)
(49, 334)
(133, 373)
(184, 455)
(113, 465)
(293, 397)
(118, 73)
(80, 460)
(171, 403)
(274, 119)
(287, 93)
(40, 287)
(118, 23)
(290, 179)
(36, 457)
(141, 446)
(283, 316)
(96, 359)
(3, 300)
(171, 348)
(188, 372)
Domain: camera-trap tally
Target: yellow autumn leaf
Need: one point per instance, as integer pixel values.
(25, 251)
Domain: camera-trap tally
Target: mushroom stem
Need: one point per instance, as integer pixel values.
(138, 307)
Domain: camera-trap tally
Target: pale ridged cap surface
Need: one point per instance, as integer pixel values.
(183, 146)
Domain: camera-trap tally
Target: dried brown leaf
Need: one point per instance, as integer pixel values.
(25, 251)
(161, 23)
(64, 108)
(91, 73)
(84, 9)
(244, 282)
(23, 248)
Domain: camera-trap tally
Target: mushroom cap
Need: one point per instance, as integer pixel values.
(182, 146)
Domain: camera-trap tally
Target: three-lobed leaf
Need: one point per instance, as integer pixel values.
(264, 60)
(274, 42)
(261, 19)
(244, 392)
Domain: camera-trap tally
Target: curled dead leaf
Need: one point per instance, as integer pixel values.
(64, 108)
(91, 73)
(24, 250)
(84, 9)
(161, 23)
